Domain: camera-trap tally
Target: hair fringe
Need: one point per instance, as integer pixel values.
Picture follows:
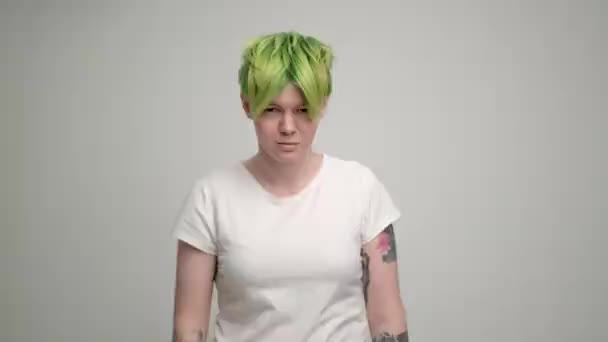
(271, 61)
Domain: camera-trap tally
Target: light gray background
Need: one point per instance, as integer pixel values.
(485, 119)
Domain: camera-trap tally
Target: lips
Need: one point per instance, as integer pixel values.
(288, 146)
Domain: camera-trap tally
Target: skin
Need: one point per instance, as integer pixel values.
(285, 161)
(385, 310)
(193, 291)
(284, 170)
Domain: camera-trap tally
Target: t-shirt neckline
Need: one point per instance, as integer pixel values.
(286, 199)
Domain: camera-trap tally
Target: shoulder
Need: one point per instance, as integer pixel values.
(352, 171)
(219, 179)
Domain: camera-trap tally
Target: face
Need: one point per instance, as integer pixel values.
(284, 131)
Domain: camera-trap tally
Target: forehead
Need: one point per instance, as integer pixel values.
(290, 96)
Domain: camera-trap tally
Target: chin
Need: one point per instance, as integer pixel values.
(282, 156)
(287, 157)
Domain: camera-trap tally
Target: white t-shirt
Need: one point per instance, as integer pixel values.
(289, 268)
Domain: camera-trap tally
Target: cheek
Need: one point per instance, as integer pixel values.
(309, 132)
(264, 131)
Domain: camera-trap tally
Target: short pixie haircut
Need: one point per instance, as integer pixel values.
(270, 62)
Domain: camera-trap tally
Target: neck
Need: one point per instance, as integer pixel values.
(286, 175)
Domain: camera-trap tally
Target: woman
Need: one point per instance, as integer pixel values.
(300, 244)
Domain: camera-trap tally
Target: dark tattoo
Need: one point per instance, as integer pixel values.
(199, 336)
(387, 245)
(386, 337)
(364, 273)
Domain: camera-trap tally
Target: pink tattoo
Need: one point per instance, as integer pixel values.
(386, 244)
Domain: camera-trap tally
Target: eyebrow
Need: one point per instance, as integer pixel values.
(275, 104)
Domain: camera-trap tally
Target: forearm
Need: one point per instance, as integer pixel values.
(189, 335)
(388, 337)
(386, 319)
(389, 325)
(191, 325)
(190, 328)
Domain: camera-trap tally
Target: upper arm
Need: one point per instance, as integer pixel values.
(195, 273)
(386, 312)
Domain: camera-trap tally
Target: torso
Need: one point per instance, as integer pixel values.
(289, 267)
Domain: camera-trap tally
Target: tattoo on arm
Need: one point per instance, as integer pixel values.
(387, 245)
(386, 337)
(215, 270)
(388, 250)
(365, 272)
(199, 336)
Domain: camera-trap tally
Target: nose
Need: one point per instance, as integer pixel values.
(287, 126)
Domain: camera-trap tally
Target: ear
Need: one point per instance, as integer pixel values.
(246, 106)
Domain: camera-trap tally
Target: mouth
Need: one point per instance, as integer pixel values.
(288, 146)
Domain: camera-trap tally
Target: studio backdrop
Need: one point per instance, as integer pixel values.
(486, 121)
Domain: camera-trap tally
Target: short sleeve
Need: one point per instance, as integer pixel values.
(379, 208)
(195, 224)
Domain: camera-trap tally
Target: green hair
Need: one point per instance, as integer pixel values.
(270, 62)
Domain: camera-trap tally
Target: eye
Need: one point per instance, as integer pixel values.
(303, 110)
(271, 109)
